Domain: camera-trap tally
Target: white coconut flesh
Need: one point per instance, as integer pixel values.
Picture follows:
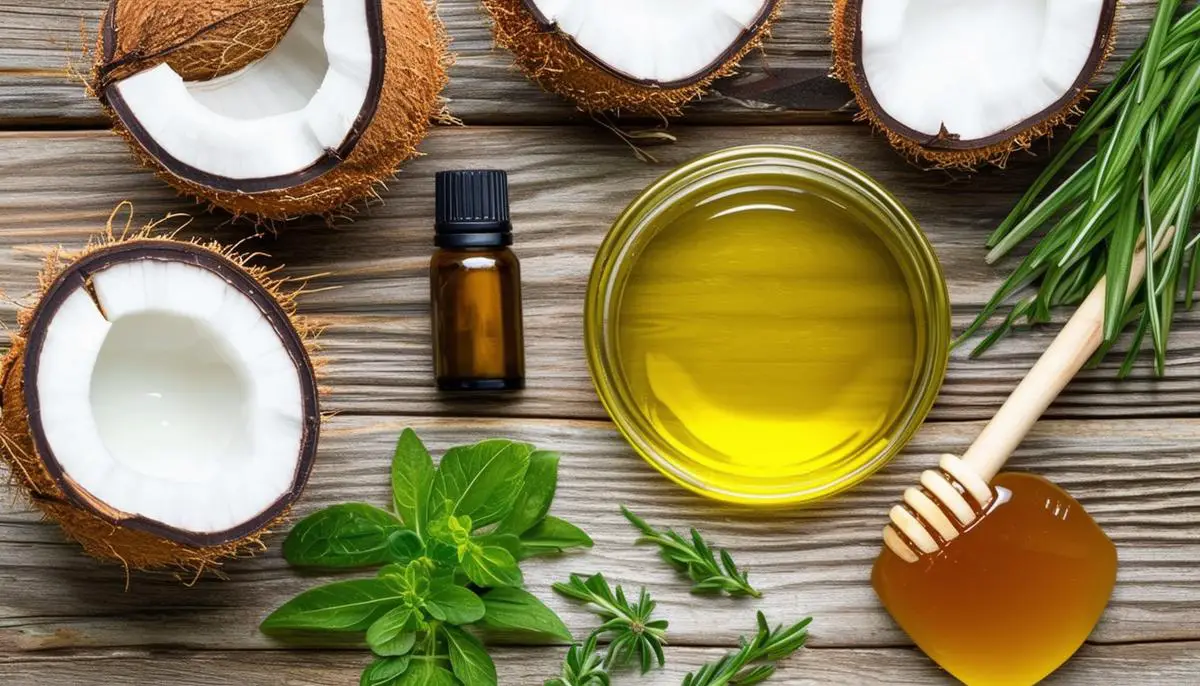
(656, 41)
(975, 67)
(166, 393)
(274, 118)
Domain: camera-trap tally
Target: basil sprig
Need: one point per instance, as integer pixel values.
(448, 556)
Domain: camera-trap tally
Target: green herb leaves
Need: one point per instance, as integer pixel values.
(454, 604)
(696, 558)
(340, 606)
(348, 535)
(754, 662)
(468, 658)
(1140, 184)
(635, 634)
(638, 638)
(551, 536)
(515, 609)
(480, 481)
(412, 481)
(583, 667)
(448, 559)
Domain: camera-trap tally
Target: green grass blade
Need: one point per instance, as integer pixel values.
(1120, 261)
(1187, 206)
(1109, 150)
(1182, 99)
(1126, 137)
(1095, 222)
(1149, 150)
(1166, 301)
(1135, 313)
(1073, 189)
(1019, 310)
(1135, 348)
(1154, 45)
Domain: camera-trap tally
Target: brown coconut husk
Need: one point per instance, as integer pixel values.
(97, 528)
(200, 41)
(417, 64)
(551, 60)
(933, 151)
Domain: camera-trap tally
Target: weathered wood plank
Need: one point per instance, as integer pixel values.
(1161, 663)
(41, 43)
(1140, 479)
(569, 184)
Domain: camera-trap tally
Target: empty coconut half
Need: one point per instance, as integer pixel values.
(962, 82)
(638, 56)
(274, 108)
(159, 403)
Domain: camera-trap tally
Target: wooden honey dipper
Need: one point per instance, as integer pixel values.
(999, 578)
(925, 516)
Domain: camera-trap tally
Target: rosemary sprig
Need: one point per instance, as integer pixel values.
(633, 631)
(755, 661)
(584, 666)
(1142, 180)
(697, 559)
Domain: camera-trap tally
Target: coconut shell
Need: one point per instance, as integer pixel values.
(415, 74)
(200, 41)
(97, 528)
(945, 151)
(551, 59)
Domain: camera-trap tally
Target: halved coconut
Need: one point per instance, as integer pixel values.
(235, 33)
(159, 403)
(961, 82)
(340, 94)
(639, 56)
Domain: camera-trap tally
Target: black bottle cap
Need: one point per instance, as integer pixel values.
(472, 209)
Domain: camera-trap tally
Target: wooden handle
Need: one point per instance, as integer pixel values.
(1071, 349)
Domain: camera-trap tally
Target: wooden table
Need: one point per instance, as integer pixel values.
(1129, 450)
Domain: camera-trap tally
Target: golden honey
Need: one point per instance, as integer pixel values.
(766, 338)
(1014, 596)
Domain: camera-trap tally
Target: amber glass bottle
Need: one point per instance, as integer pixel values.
(475, 286)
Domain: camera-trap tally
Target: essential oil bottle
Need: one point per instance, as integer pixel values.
(475, 286)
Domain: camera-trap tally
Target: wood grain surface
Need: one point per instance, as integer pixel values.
(1130, 450)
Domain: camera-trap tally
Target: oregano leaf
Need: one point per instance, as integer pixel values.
(394, 633)
(469, 659)
(550, 536)
(385, 671)
(454, 604)
(537, 493)
(346, 535)
(404, 546)
(412, 481)
(515, 609)
(480, 481)
(490, 566)
(427, 673)
(340, 606)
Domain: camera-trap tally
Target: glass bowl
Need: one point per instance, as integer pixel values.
(812, 172)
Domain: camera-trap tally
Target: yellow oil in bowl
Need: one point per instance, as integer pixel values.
(765, 325)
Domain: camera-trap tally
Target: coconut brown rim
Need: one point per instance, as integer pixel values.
(414, 74)
(173, 31)
(945, 149)
(735, 48)
(556, 62)
(111, 97)
(77, 276)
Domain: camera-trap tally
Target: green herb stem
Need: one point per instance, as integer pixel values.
(634, 633)
(755, 660)
(695, 557)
